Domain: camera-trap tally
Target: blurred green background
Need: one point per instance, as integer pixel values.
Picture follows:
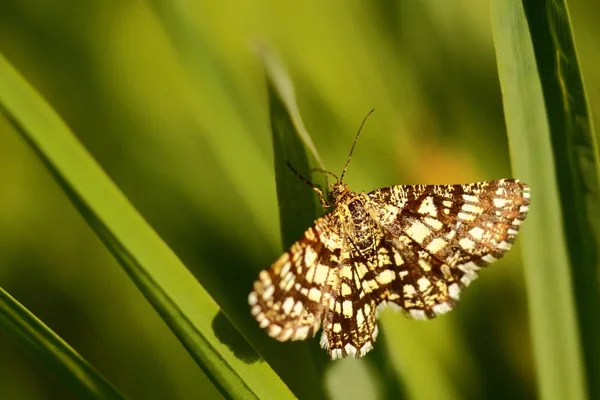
(188, 142)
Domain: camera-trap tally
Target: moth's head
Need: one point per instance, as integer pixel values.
(338, 190)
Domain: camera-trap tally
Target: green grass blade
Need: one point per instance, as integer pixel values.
(284, 110)
(299, 207)
(178, 297)
(577, 165)
(297, 202)
(546, 253)
(55, 353)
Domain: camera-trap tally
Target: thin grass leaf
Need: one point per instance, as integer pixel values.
(554, 324)
(282, 90)
(177, 296)
(55, 353)
(298, 207)
(577, 166)
(297, 203)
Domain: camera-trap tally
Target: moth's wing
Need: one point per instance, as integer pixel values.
(423, 286)
(289, 298)
(350, 323)
(439, 236)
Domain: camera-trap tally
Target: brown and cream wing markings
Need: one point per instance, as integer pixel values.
(290, 297)
(416, 247)
(444, 234)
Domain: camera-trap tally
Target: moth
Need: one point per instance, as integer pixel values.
(415, 247)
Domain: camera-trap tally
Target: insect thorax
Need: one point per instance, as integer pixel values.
(340, 193)
(358, 224)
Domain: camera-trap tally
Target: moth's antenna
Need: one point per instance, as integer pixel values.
(312, 185)
(354, 144)
(325, 172)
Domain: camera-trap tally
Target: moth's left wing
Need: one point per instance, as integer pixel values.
(439, 236)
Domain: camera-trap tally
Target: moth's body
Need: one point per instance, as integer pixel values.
(416, 247)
